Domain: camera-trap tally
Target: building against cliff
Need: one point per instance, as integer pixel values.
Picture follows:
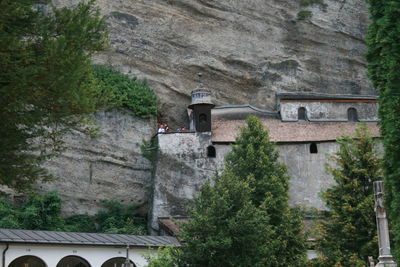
(304, 127)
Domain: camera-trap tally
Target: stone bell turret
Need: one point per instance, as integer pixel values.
(200, 119)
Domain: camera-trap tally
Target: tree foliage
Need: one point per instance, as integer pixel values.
(383, 68)
(166, 257)
(245, 220)
(123, 91)
(348, 231)
(45, 81)
(226, 228)
(43, 212)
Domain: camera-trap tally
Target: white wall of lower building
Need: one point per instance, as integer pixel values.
(94, 255)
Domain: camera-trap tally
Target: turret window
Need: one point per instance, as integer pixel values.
(202, 118)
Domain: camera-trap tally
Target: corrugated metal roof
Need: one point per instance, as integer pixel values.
(288, 132)
(92, 239)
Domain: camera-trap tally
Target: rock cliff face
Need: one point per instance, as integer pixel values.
(110, 166)
(247, 50)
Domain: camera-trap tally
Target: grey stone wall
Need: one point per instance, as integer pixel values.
(307, 172)
(328, 111)
(106, 167)
(183, 167)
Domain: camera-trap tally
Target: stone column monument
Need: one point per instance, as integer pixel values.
(385, 256)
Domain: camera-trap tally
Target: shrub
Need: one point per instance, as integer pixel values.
(123, 91)
(304, 14)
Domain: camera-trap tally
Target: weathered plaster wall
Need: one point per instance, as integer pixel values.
(307, 172)
(106, 167)
(328, 111)
(183, 167)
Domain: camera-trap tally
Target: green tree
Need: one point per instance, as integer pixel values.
(383, 57)
(226, 228)
(166, 257)
(245, 220)
(45, 81)
(348, 232)
(43, 212)
(38, 212)
(254, 158)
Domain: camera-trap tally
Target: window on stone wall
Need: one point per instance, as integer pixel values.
(202, 118)
(211, 153)
(352, 115)
(313, 148)
(302, 114)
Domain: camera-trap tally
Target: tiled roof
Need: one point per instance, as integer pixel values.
(171, 225)
(288, 132)
(93, 239)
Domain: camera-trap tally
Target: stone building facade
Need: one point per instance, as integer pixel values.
(304, 127)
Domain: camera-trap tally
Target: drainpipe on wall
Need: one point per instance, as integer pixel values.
(4, 256)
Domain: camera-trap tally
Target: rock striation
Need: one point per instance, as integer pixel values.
(247, 50)
(110, 166)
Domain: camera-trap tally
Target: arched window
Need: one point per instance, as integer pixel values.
(73, 261)
(352, 115)
(211, 153)
(115, 262)
(302, 114)
(313, 148)
(202, 118)
(27, 261)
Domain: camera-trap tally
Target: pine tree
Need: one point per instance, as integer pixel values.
(245, 220)
(45, 81)
(254, 158)
(348, 232)
(226, 228)
(383, 57)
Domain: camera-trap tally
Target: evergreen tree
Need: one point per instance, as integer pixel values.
(348, 232)
(226, 228)
(383, 68)
(45, 81)
(245, 220)
(254, 158)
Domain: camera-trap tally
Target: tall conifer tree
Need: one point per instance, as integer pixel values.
(348, 232)
(383, 68)
(245, 219)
